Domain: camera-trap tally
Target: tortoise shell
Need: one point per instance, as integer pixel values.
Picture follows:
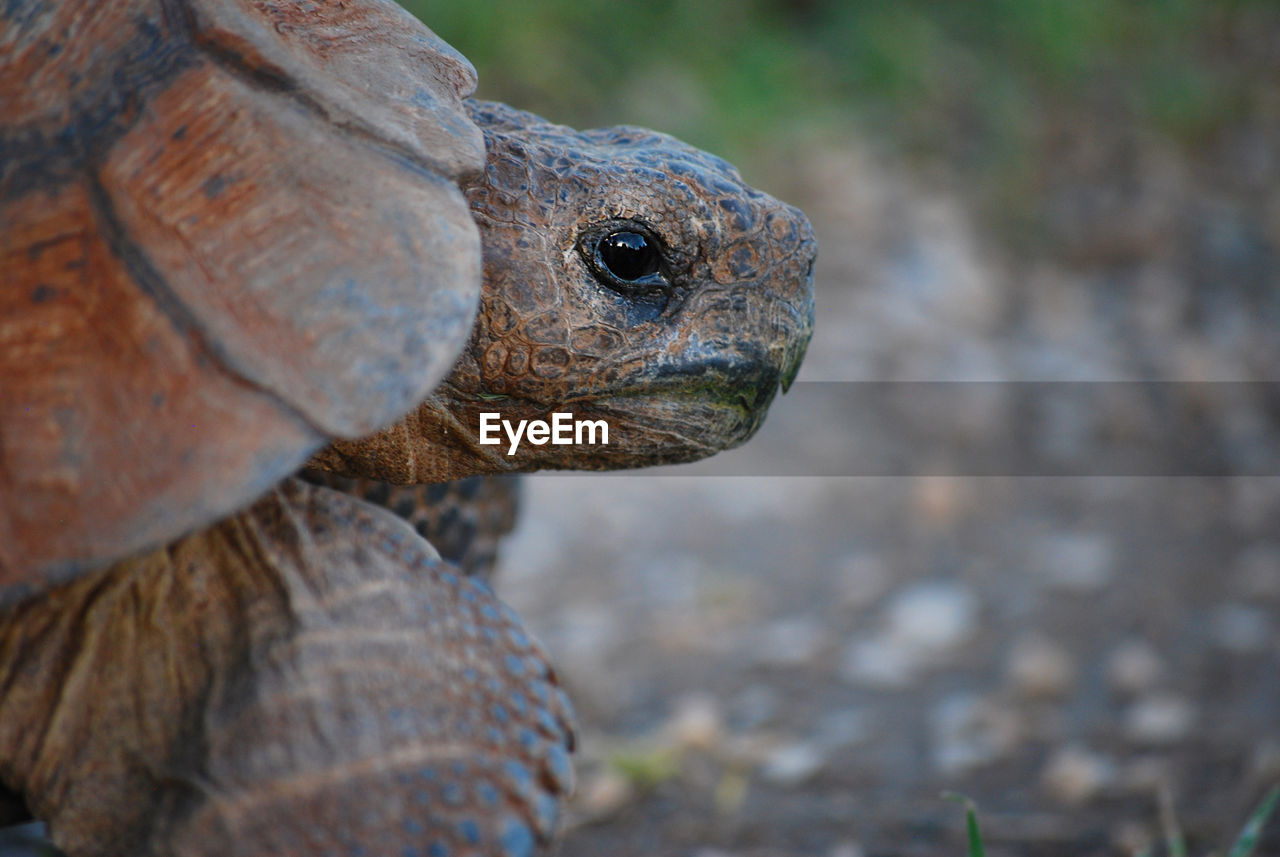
(229, 231)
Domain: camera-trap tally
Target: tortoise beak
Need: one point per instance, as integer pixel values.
(740, 345)
(798, 343)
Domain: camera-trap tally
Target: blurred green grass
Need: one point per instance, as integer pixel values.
(972, 82)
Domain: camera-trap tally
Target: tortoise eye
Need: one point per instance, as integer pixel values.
(628, 256)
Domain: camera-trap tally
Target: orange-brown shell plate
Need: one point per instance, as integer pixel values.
(228, 232)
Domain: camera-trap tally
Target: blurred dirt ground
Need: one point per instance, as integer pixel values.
(803, 665)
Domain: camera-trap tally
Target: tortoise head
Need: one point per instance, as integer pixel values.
(629, 278)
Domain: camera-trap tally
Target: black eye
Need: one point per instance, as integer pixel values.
(629, 256)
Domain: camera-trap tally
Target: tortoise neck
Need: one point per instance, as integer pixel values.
(436, 442)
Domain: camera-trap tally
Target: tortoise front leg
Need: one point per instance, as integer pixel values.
(464, 520)
(304, 678)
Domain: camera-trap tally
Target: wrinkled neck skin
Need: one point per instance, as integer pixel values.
(437, 442)
(433, 443)
(441, 439)
(681, 361)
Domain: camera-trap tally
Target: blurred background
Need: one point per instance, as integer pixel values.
(1003, 191)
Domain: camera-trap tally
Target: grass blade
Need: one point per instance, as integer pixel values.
(1174, 840)
(1248, 839)
(971, 824)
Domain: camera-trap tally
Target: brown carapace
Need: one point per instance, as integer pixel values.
(237, 237)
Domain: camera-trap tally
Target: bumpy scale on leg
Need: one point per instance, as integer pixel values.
(273, 686)
(464, 520)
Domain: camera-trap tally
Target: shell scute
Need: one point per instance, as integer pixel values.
(230, 232)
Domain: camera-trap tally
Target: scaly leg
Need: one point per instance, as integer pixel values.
(464, 519)
(305, 678)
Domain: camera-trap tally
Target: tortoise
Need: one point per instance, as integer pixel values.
(241, 237)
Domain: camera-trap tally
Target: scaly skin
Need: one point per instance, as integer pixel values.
(304, 678)
(677, 378)
(464, 520)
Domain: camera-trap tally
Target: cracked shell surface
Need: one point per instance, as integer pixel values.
(187, 314)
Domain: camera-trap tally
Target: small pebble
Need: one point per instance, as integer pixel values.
(1145, 775)
(1132, 837)
(748, 749)
(1254, 503)
(730, 792)
(1240, 628)
(1039, 668)
(933, 617)
(793, 763)
(843, 728)
(671, 580)
(1160, 719)
(587, 632)
(1264, 764)
(1077, 562)
(847, 849)
(1134, 667)
(789, 642)
(603, 793)
(938, 499)
(969, 731)
(878, 662)
(1076, 775)
(696, 723)
(755, 705)
(862, 578)
(1256, 572)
